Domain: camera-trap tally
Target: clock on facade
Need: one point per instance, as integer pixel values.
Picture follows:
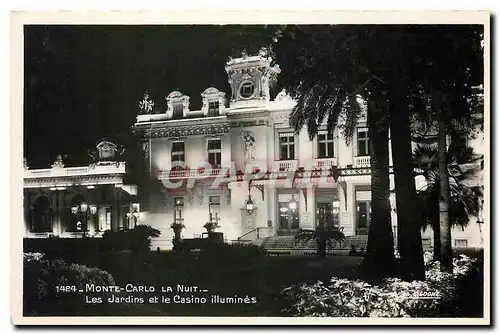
(247, 89)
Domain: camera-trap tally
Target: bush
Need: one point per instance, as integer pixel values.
(137, 239)
(44, 278)
(437, 296)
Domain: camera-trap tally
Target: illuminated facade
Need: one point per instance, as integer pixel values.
(70, 202)
(241, 165)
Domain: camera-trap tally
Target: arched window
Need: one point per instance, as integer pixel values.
(42, 216)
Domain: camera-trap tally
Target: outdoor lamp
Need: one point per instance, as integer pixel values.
(249, 204)
(74, 209)
(83, 207)
(335, 206)
(293, 203)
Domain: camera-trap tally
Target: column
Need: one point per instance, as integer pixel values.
(57, 215)
(347, 216)
(271, 202)
(120, 208)
(27, 208)
(116, 210)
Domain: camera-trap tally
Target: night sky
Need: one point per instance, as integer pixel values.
(83, 83)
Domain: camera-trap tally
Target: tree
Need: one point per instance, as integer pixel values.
(464, 196)
(451, 59)
(327, 84)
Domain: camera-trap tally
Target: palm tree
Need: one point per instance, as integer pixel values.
(323, 237)
(464, 196)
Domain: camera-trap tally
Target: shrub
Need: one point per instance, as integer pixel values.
(43, 278)
(137, 239)
(140, 237)
(437, 296)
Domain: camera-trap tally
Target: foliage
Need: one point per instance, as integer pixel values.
(210, 226)
(331, 236)
(177, 226)
(43, 280)
(437, 296)
(137, 239)
(463, 196)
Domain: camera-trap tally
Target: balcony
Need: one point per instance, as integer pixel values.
(325, 163)
(288, 165)
(111, 168)
(189, 173)
(362, 161)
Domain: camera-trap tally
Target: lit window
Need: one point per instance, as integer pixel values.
(213, 108)
(178, 158)
(327, 215)
(363, 142)
(214, 208)
(104, 218)
(287, 146)
(325, 145)
(363, 214)
(178, 110)
(178, 209)
(288, 218)
(214, 153)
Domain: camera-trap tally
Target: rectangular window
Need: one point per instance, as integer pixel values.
(214, 153)
(104, 218)
(363, 142)
(287, 146)
(460, 243)
(178, 110)
(213, 108)
(178, 158)
(363, 214)
(178, 209)
(214, 209)
(325, 145)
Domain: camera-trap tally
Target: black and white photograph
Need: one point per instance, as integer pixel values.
(319, 172)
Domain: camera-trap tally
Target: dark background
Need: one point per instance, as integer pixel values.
(83, 83)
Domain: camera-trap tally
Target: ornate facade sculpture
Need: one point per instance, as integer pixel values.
(146, 104)
(249, 145)
(106, 151)
(58, 163)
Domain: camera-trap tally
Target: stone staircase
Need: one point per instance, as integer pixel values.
(286, 245)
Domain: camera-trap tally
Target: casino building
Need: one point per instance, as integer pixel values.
(238, 163)
(70, 202)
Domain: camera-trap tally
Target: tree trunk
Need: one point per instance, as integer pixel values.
(409, 216)
(444, 203)
(437, 242)
(379, 261)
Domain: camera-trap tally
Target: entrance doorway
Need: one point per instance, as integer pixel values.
(288, 219)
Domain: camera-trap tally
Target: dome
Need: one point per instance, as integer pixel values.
(175, 94)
